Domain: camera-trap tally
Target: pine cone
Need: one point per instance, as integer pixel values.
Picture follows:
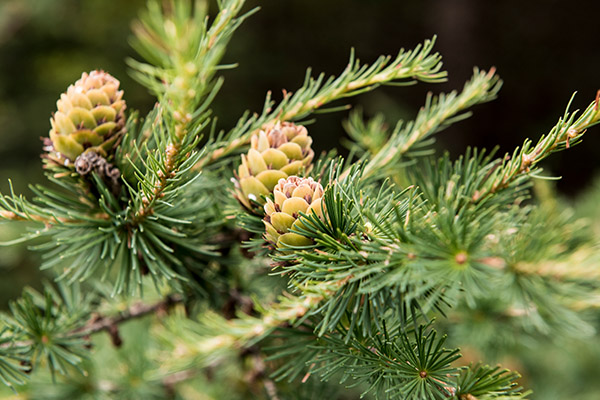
(91, 114)
(275, 154)
(291, 196)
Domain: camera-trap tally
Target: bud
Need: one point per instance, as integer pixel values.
(291, 197)
(90, 115)
(274, 154)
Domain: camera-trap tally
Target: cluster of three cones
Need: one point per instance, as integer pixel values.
(277, 159)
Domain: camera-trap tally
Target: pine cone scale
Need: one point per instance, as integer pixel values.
(270, 178)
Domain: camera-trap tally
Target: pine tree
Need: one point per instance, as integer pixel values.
(198, 262)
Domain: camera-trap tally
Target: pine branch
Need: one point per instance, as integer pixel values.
(168, 170)
(567, 132)
(438, 113)
(186, 53)
(418, 64)
(20, 216)
(52, 208)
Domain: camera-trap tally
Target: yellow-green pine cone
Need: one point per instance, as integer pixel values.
(274, 154)
(91, 114)
(290, 197)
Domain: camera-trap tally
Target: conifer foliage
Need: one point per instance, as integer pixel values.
(185, 254)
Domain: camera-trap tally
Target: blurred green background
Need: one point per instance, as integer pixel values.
(543, 49)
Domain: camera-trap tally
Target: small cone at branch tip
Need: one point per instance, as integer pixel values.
(275, 153)
(90, 115)
(291, 197)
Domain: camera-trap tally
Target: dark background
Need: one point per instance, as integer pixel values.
(544, 51)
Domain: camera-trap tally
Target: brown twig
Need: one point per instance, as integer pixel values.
(46, 220)
(99, 323)
(170, 167)
(137, 310)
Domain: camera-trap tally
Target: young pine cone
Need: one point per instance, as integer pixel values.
(275, 154)
(91, 114)
(291, 196)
